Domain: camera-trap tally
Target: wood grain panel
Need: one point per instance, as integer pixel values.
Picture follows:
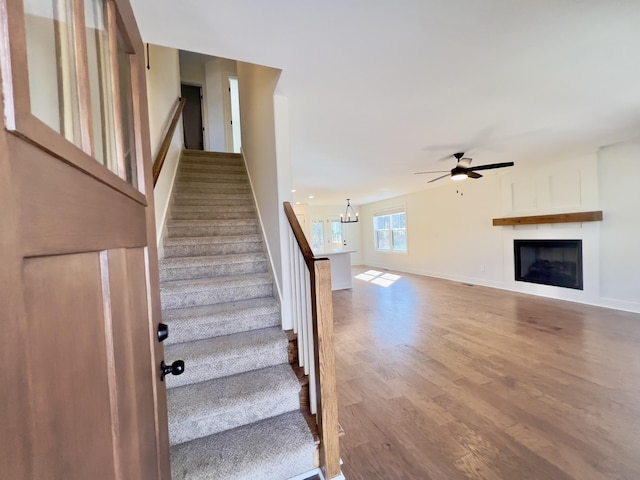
(15, 412)
(71, 411)
(326, 371)
(136, 444)
(442, 380)
(594, 216)
(72, 222)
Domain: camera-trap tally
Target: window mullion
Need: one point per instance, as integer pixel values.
(82, 72)
(112, 32)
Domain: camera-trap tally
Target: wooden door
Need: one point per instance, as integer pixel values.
(192, 117)
(79, 296)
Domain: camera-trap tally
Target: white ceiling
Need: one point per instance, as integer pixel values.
(378, 89)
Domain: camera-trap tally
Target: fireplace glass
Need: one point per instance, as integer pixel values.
(549, 262)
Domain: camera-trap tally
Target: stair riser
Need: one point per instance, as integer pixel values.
(215, 178)
(212, 215)
(216, 327)
(209, 231)
(212, 159)
(208, 187)
(223, 367)
(212, 199)
(205, 168)
(211, 297)
(179, 209)
(211, 249)
(205, 271)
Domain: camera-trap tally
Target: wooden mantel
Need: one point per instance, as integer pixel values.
(595, 216)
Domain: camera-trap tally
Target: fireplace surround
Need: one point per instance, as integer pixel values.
(549, 262)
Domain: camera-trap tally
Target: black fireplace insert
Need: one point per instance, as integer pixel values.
(549, 262)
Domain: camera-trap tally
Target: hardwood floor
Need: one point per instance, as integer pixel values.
(441, 380)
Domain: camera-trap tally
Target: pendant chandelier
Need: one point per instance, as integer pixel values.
(350, 216)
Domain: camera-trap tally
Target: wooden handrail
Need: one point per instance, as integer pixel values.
(323, 348)
(299, 235)
(166, 142)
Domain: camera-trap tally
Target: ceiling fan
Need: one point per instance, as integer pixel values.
(462, 170)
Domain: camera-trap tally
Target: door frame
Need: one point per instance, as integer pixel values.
(203, 111)
(20, 123)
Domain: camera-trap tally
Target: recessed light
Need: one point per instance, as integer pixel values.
(297, 203)
(310, 196)
(293, 190)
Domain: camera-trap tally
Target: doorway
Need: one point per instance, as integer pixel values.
(327, 235)
(192, 117)
(234, 95)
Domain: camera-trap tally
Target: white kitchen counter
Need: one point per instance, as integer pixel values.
(340, 267)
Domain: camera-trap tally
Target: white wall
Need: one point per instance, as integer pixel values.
(257, 86)
(283, 172)
(217, 72)
(619, 185)
(163, 90)
(450, 233)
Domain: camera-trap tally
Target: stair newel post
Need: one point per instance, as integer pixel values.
(327, 398)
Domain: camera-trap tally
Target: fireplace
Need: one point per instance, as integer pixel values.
(549, 262)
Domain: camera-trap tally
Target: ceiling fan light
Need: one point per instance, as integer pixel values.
(458, 173)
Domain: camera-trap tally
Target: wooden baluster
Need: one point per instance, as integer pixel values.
(325, 365)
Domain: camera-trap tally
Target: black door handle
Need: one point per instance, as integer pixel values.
(176, 368)
(163, 331)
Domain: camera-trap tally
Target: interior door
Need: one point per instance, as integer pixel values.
(192, 117)
(81, 394)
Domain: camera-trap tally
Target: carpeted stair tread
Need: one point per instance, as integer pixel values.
(182, 199)
(211, 167)
(199, 177)
(207, 228)
(230, 402)
(234, 412)
(208, 291)
(274, 449)
(210, 212)
(202, 187)
(188, 324)
(182, 268)
(212, 208)
(227, 355)
(219, 245)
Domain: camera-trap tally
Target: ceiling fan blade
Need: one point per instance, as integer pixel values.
(471, 174)
(464, 162)
(431, 181)
(437, 171)
(493, 165)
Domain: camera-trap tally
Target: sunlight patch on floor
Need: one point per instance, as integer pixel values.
(378, 278)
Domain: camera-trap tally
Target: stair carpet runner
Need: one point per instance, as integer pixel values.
(235, 411)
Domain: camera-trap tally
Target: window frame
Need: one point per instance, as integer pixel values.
(389, 212)
(20, 121)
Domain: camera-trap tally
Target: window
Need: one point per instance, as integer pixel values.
(390, 230)
(317, 235)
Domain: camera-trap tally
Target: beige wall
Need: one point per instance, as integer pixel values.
(257, 85)
(163, 90)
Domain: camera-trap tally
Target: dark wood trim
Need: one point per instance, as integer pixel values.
(83, 83)
(166, 142)
(17, 106)
(301, 239)
(112, 34)
(595, 216)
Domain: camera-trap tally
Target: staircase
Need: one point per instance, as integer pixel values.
(235, 411)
